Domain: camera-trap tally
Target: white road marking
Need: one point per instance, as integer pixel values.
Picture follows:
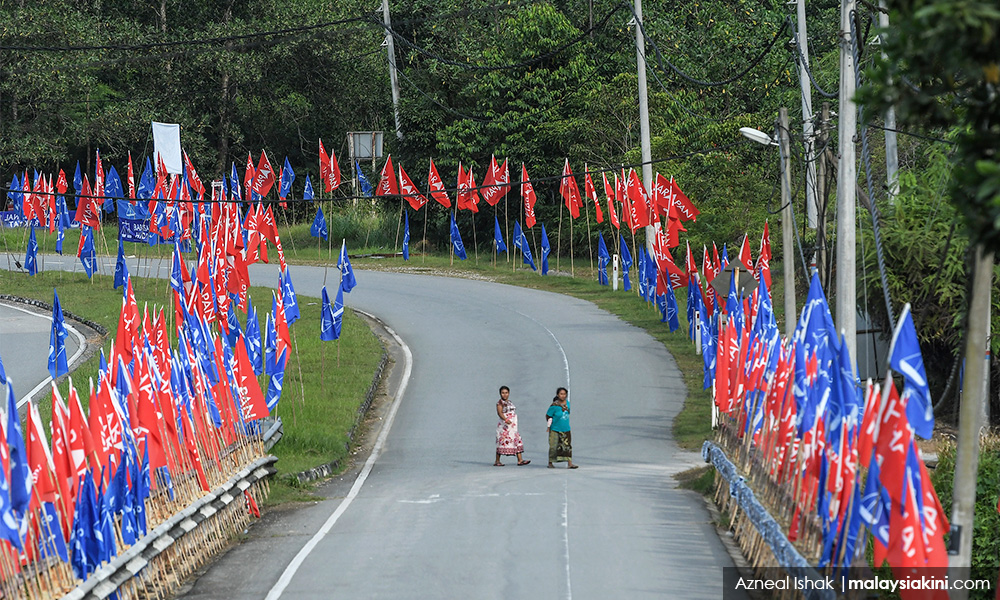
(554, 339)
(565, 524)
(81, 347)
(293, 567)
(433, 498)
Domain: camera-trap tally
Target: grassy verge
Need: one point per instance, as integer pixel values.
(317, 411)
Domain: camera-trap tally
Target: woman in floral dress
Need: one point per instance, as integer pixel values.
(508, 439)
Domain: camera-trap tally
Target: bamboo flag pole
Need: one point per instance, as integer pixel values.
(572, 269)
(451, 242)
(475, 237)
(423, 253)
(559, 235)
(586, 207)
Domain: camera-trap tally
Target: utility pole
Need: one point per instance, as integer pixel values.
(647, 154)
(808, 127)
(787, 226)
(969, 424)
(393, 79)
(847, 179)
(891, 148)
(821, 193)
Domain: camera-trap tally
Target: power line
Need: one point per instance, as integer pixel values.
(175, 43)
(511, 66)
(660, 59)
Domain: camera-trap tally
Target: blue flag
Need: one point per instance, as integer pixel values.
(20, 472)
(546, 250)
(326, 320)
(318, 228)
(456, 240)
(233, 323)
(113, 187)
(88, 255)
(270, 342)
(603, 258)
(641, 269)
(82, 531)
(121, 269)
(521, 243)
(905, 359)
(307, 193)
(57, 341)
(363, 184)
(288, 296)
(147, 182)
(31, 259)
(78, 179)
(15, 195)
(251, 339)
(234, 184)
(3, 372)
(8, 520)
(498, 236)
(338, 312)
(406, 234)
(287, 177)
(276, 380)
(669, 309)
(626, 261)
(347, 280)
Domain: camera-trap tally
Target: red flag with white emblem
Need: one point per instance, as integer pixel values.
(410, 191)
(436, 186)
(387, 184)
(529, 198)
(263, 178)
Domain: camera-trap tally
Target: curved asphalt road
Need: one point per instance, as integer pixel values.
(24, 348)
(434, 519)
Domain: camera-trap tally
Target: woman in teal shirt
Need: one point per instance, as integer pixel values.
(560, 437)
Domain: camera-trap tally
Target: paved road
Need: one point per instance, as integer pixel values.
(434, 519)
(24, 347)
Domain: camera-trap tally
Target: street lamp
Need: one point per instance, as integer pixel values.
(787, 232)
(756, 135)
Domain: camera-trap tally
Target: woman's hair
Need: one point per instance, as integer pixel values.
(555, 399)
(562, 389)
(503, 387)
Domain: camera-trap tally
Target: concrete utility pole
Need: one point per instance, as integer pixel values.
(647, 153)
(969, 424)
(847, 179)
(808, 127)
(787, 231)
(393, 79)
(821, 193)
(891, 148)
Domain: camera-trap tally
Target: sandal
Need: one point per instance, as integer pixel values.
(574, 467)
(551, 466)
(523, 462)
(498, 464)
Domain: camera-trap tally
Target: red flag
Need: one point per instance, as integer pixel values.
(610, 193)
(528, 197)
(745, 259)
(99, 177)
(81, 444)
(193, 180)
(708, 268)
(492, 192)
(263, 179)
(685, 208)
(639, 210)
(192, 449)
(906, 548)
(267, 225)
(65, 470)
(891, 446)
(436, 186)
(149, 416)
(86, 207)
(661, 194)
(470, 180)
(569, 191)
(252, 402)
(588, 187)
(722, 399)
(409, 191)
(869, 418)
(334, 172)
(387, 185)
(61, 183)
(39, 458)
(251, 504)
(248, 177)
(324, 168)
(763, 268)
(131, 178)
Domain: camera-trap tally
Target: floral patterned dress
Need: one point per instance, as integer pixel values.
(508, 439)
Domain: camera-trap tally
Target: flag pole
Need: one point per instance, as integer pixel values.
(506, 213)
(496, 247)
(475, 237)
(559, 235)
(423, 254)
(590, 241)
(451, 242)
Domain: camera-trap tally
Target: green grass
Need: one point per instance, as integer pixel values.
(316, 424)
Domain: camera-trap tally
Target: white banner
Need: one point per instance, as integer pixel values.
(167, 145)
